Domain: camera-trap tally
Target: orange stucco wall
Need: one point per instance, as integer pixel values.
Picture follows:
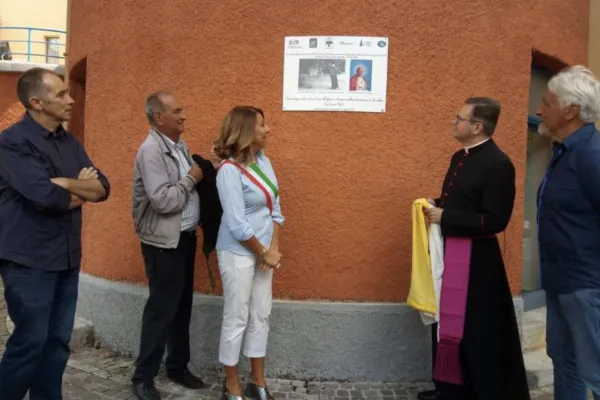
(348, 180)
(10, 108)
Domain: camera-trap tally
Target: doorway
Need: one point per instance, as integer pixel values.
(539, 154)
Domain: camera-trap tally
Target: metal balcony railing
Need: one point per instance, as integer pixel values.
(25, 43)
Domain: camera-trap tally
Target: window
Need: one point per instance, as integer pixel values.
(52, 49)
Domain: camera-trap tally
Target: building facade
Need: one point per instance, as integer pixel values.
(594, 41)
(347, 179)
(34, 30)
(32, 34)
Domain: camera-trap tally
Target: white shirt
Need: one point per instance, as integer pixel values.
(190, 216)
(361, 84)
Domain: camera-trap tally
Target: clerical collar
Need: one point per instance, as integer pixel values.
(475, 145)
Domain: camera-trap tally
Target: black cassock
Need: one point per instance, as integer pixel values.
(477, 197)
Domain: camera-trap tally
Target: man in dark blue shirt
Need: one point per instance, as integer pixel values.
(45, 177)
(569, 232)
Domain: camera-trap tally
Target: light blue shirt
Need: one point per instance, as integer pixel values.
(245, 210)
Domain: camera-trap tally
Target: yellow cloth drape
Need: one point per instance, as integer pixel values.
(422, 293)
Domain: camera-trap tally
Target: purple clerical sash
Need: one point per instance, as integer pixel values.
(453, 306)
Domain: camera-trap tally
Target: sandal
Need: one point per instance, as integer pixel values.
(253, 391)
(228, 396)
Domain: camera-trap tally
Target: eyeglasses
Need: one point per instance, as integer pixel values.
(460, 119)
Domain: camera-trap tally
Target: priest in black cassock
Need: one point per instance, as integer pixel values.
(477, 351)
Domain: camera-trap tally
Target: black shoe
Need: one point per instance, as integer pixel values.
(186, 379)
(146, 391)
(429, 395)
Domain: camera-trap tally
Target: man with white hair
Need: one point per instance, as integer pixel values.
(569, 231)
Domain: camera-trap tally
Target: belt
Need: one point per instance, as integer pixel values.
(188, 233)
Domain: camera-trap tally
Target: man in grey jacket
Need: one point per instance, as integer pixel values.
(166, 212)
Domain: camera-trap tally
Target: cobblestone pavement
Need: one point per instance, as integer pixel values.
(99, 374)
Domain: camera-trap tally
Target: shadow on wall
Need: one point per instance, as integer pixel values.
(77, 82)
(549, 62)
(10, 108)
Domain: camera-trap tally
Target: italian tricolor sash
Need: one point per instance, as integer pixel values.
(260, 179)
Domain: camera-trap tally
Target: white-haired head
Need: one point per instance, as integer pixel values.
(571, 100)
(577, 86)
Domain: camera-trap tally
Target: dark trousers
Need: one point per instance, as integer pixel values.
(166, 319)
(448, 391)
(42, 306)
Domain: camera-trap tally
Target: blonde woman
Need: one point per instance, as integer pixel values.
(247, 247)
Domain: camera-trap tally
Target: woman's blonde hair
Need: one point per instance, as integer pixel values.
(237, 134)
